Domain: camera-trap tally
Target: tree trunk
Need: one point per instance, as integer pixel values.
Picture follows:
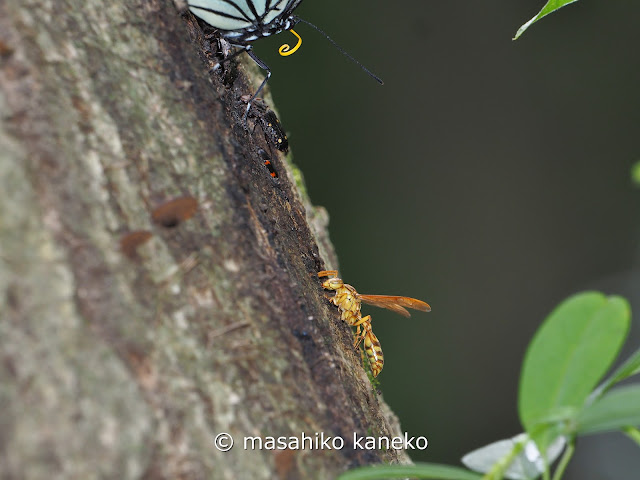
(122, 360)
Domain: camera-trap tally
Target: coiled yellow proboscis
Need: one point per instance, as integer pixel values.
(285, 50)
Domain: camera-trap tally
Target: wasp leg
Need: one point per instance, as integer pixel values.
(359, 339)
(363, 320)
(330, 297)
(359, 335)
(362, 326)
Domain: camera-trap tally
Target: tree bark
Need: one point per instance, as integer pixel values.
(123, 362)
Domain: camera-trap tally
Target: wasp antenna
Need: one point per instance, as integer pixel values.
(342, 50)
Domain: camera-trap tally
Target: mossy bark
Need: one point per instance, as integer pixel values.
(127, 366)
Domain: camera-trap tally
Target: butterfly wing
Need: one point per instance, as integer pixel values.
(224, 15)
(245, 20)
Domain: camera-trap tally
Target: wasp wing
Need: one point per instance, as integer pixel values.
(396, 304)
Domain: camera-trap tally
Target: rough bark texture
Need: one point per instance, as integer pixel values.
(127, 366)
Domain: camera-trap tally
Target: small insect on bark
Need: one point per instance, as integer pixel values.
(349, 303)
(267, 163)
(270, 125)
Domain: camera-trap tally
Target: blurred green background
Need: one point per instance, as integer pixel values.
(488, 177)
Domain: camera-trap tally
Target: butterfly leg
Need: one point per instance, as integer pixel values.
(217, 66)
(242, 49)
(263, 66)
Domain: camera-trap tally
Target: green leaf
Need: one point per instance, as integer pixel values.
(635, 174)
(627, 369)
(566, 358)
(419, 470)
(550, 7)
(615, 410)
(633, 434)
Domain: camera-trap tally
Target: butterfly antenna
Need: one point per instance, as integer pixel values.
(342, 50)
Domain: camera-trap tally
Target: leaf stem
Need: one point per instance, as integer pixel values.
(498, 469)
(564, 461)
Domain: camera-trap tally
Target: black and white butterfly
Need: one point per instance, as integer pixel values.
(241, 22)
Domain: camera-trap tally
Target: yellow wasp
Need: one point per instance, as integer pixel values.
(349, 302)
